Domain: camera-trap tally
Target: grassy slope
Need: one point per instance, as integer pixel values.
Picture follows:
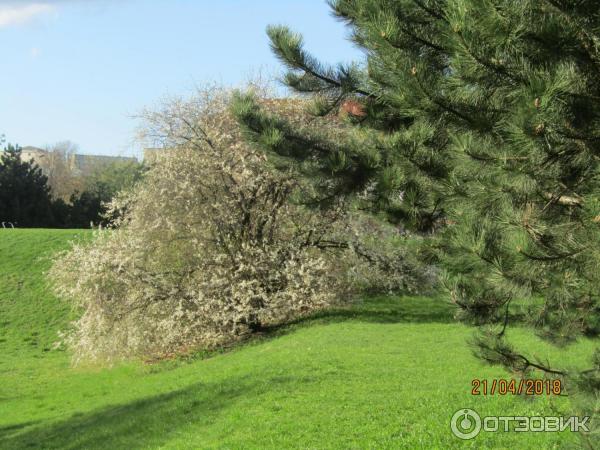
(386, 374)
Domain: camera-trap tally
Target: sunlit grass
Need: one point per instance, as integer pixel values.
(386, 373)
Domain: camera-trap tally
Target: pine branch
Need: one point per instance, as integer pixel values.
(435, 14)
(585, 36)
(288, 47)
(443, 105)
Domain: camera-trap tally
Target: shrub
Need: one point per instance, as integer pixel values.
(384, 259)
(207, 248)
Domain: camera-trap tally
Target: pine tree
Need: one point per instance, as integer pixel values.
(25, 197)
(479, 117)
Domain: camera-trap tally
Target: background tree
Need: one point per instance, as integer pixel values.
(114, 177)
(482, 116)
(24, 192)
(99, 189)
(58, 167)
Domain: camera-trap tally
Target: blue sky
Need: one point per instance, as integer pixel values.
(80, 69)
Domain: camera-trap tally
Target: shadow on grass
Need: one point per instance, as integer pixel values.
(376, 309)
(392, 309)
(383, 309)
(149, 422)
(11, 429)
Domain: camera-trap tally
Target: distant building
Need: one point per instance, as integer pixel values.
(79, 164)
(86, 164)
(151, 155)
(37, 154)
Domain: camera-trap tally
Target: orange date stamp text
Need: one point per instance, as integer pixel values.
(523, 386)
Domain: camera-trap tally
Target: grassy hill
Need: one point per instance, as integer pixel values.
(386, 373)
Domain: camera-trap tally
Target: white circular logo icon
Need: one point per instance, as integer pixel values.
(465, 424)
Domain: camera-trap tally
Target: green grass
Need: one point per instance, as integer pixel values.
(387, 373)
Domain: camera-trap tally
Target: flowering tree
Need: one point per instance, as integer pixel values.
(207, 248)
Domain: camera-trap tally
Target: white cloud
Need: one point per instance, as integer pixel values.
(35, 52)
(17, 14)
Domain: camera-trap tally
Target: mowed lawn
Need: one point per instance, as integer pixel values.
(385, 373)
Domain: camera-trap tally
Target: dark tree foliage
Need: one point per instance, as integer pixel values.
(87, 209)
(24, 193)
(90, 206)
(481, 118)
(26, 201)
